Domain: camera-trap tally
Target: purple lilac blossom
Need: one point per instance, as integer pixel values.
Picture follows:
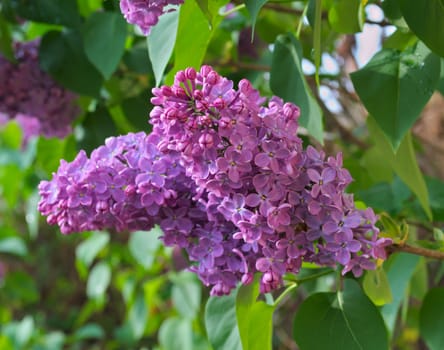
(225, 176)
(28, 92)
(145, 13)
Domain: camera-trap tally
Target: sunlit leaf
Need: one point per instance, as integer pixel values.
(176, 334)
(377, 287)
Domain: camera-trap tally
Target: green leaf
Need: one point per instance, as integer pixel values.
(88, 249)
(406, 167)
(287, 81)
(377, 287)
(176, 334)
(13, 245)
(425, 19)
(221, 323)
(245, 299)
(161, 42)
(343, 320)
(193, 39)
(431, 319)
(400, 270)
(89, 331)
(98, 280)
(138, 316)
(143, 246)
(210, 9)
(32, 214)
(253, 7)
(104, 38)
(186, 294)
(404, 163)
(61, 54)
(350, 23)
(48, 11)
(395, 86)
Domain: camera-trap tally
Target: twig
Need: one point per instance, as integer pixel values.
(428, 253)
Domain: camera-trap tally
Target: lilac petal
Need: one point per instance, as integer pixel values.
(328, 175)
(253, 200)
(313, 175)
(262, 160)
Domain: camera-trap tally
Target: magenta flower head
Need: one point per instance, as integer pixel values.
(145, 13)
(226, 178)
(28, 92)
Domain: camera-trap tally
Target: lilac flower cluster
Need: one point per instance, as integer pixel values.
(225, 176)
(145, 13)
(28, 92)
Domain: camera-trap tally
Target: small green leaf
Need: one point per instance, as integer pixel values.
(404, 163)
(406, 167)
(431, 319)
(377, 287)
(221, 323)
(143, 246)
(138, 316)
(344, 320)
(62, 55)
(186, 294)
(89, 331)
(425, 19)
(13, 245)
(161, 42)
(176, 334)
(98, 280)
(288, 82)
(253, 7)
(104, 38)
(395, 86)
(88, 249)
(400, 270)
(352, 22)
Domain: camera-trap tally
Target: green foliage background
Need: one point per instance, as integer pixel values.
(103, 290)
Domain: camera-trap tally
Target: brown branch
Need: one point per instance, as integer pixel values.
(428, 253)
